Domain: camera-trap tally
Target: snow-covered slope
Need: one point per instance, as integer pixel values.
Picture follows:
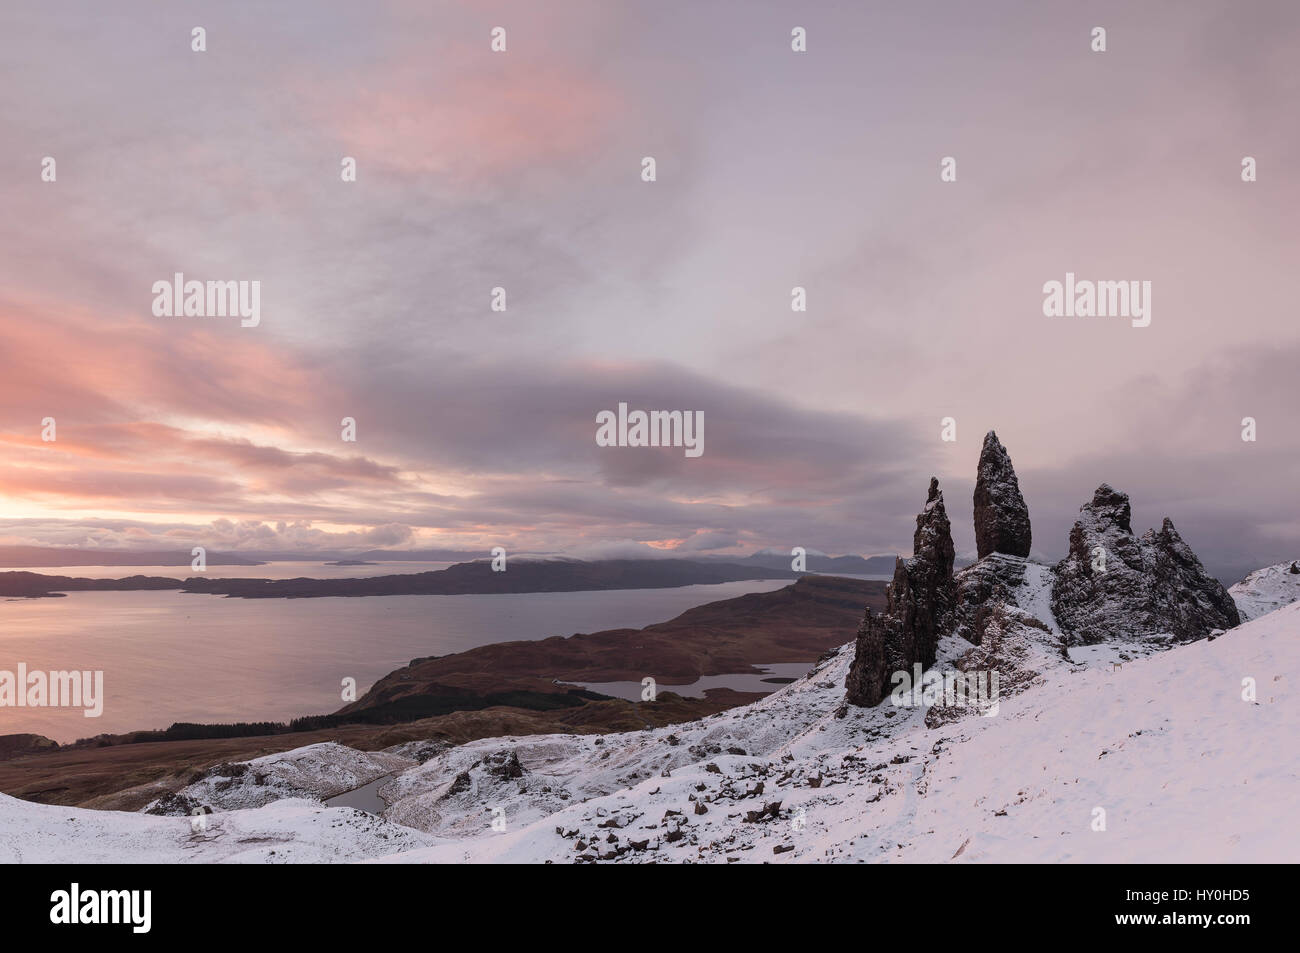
(1267, 589)
(289, 831)
(1183, 768)
(1164, 749)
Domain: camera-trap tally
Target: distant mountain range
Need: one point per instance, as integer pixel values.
(26, 557)
(816, 562)
(548, 575)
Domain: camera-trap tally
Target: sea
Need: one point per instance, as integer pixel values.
(190, 657)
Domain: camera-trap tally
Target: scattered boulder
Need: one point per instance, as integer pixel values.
(504, 766)
(770, 812)
(459, 785)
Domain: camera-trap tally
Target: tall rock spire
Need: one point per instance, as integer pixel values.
(1001, 516)
(918, 600)
(1144, 592)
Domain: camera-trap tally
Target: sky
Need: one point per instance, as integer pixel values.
(522, 169)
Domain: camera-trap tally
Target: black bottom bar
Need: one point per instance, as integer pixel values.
(366, 902)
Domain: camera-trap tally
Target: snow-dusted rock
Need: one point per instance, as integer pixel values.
(317, 771)
(1001, 516)
(918, 602)
(1142, 593)
(1266, 590)
(1148, 590)
(1004, 604)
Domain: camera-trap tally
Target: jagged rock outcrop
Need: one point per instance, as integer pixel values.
(975, 586)
(318, 771)
(1116, 585)
(1021, 617)
(919, 600)
(1001, 516)
(1008, 657)
(868, 678)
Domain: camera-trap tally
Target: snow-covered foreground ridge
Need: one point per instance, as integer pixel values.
(1185, 762)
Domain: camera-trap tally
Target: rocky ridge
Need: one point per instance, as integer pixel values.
(1139, 594)
(1266, 590)
(1149, 589)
